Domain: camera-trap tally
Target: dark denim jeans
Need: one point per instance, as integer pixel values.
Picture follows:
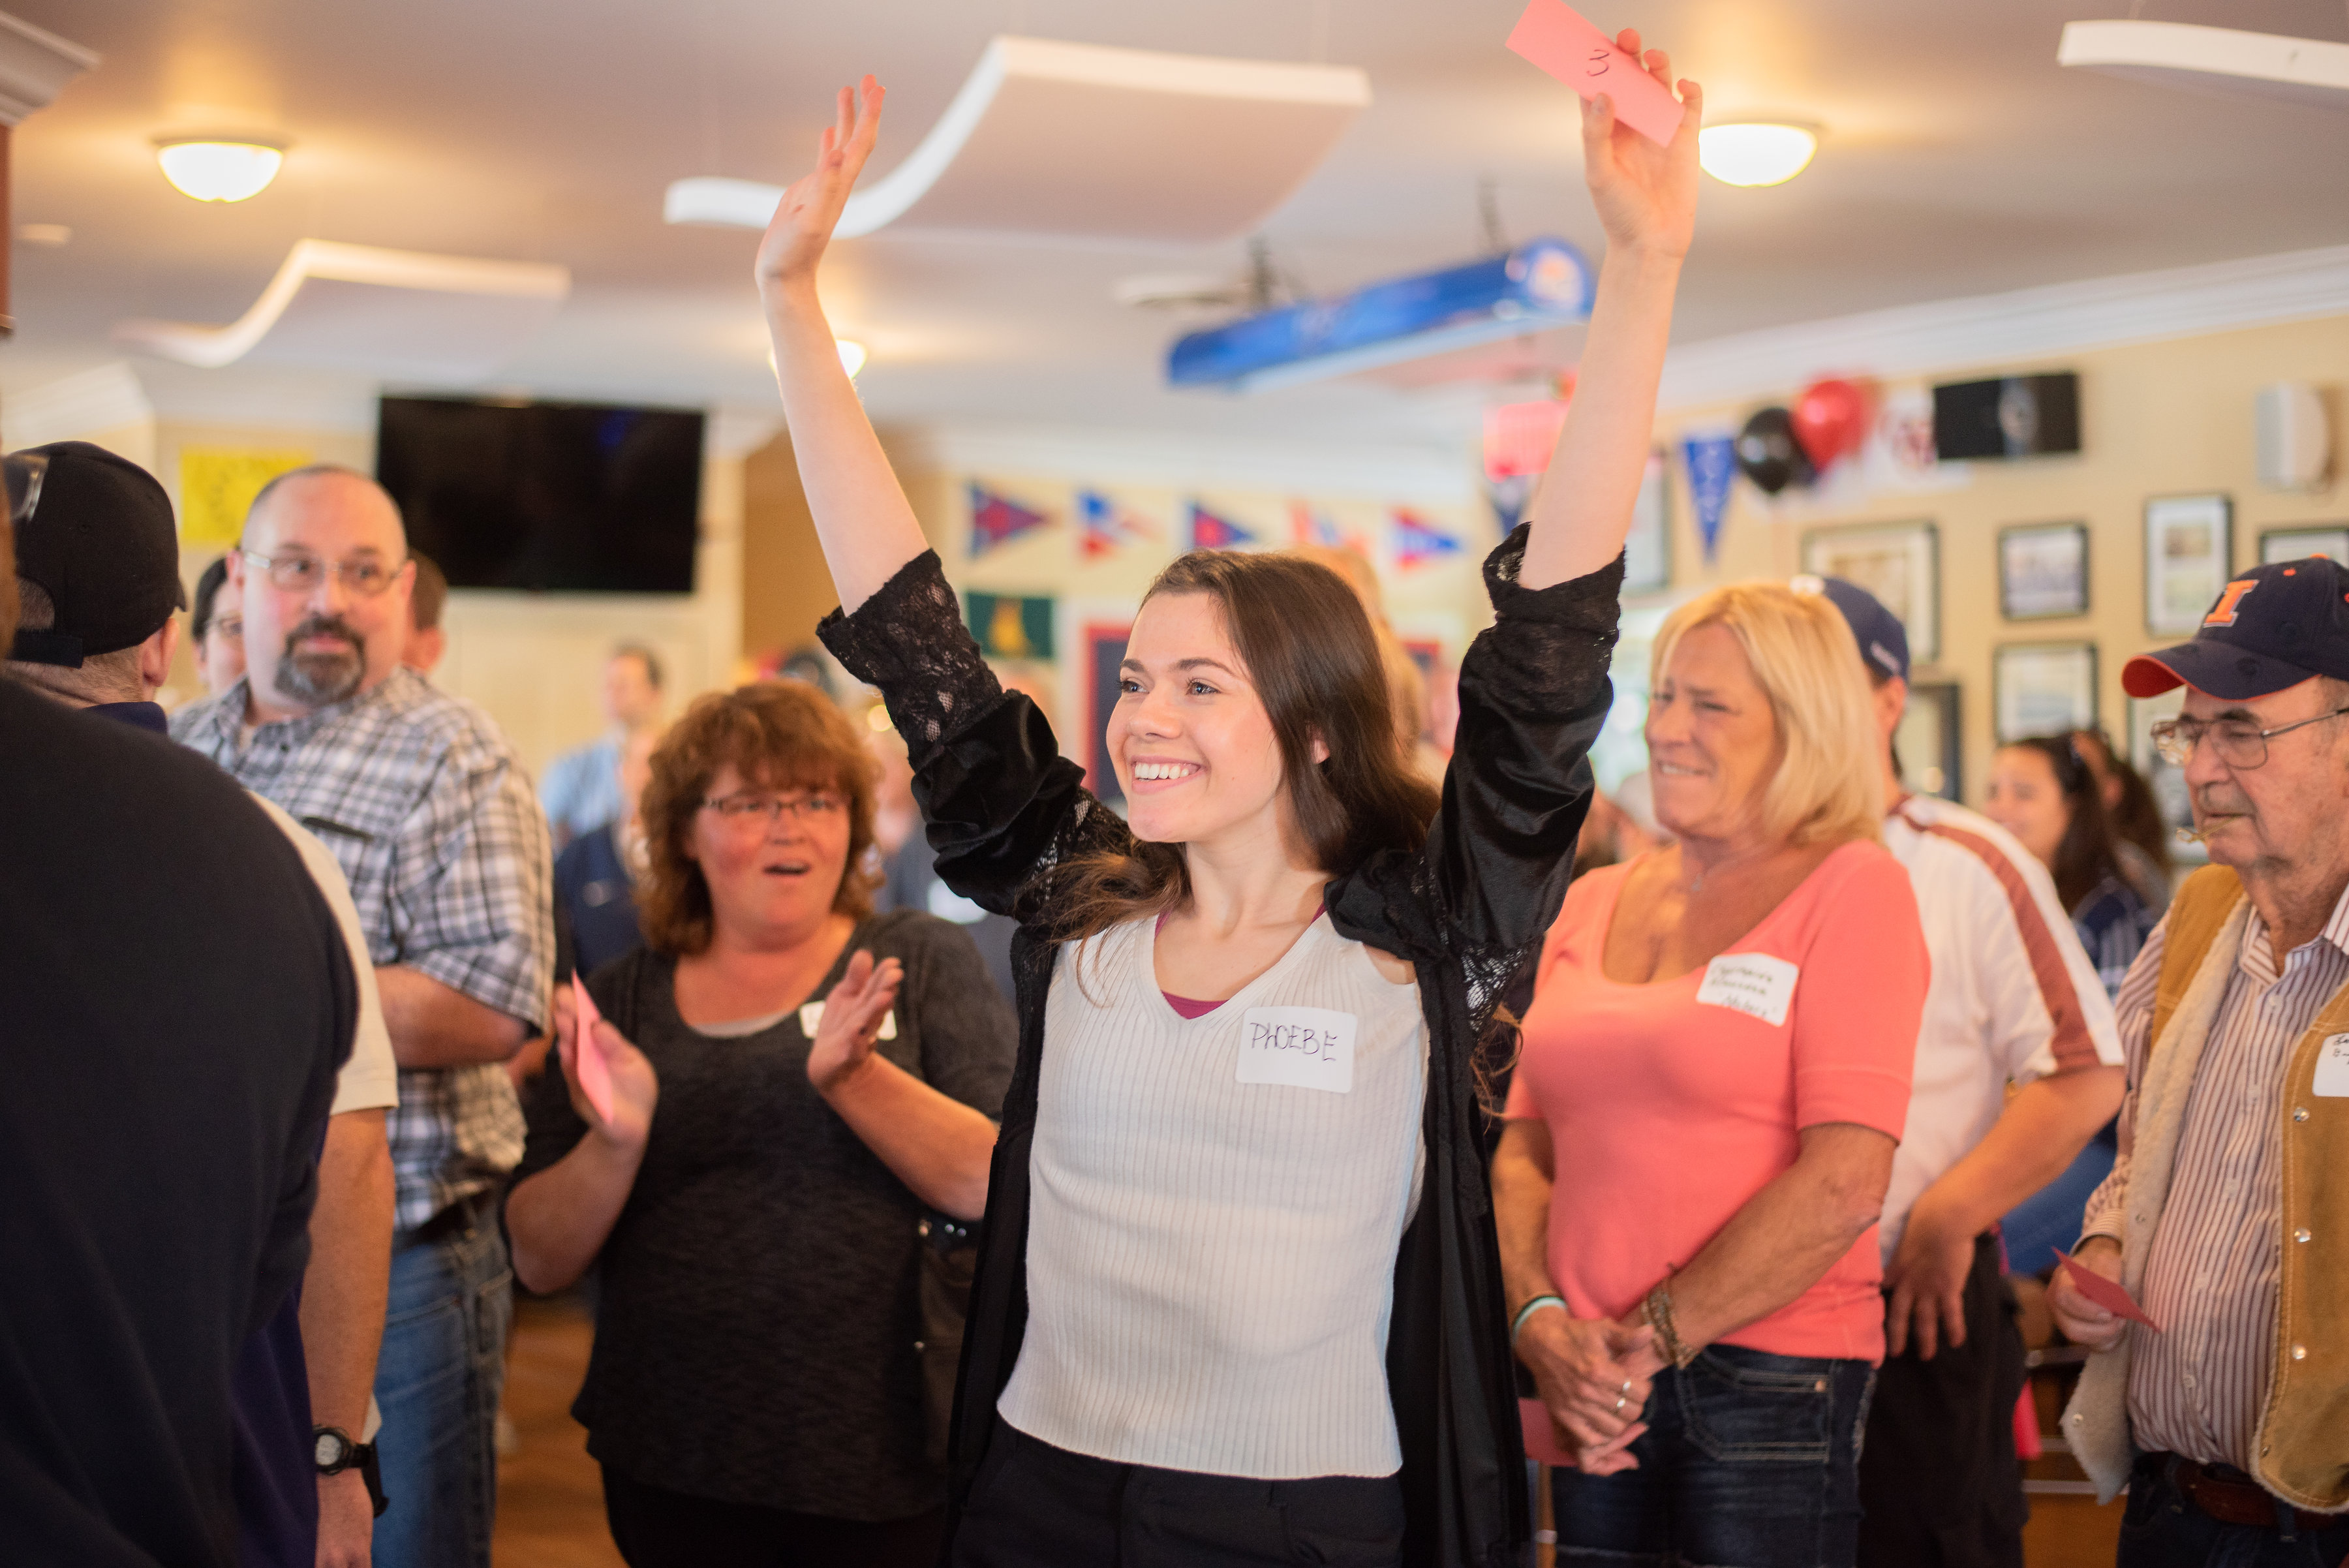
(437, 1380)
(1750, 1461)
(2161, 1528)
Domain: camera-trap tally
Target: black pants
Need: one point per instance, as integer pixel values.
(1939, 1481)
(2163, 1528)
(1035, 1506)
(657, 1528)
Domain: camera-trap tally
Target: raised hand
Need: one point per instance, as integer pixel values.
(1646, 194)
(803, 220)
(850, 1025)
(635, 1087)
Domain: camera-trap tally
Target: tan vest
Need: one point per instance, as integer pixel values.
(2303, 1434)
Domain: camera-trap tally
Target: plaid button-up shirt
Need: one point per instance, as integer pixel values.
(432, 817)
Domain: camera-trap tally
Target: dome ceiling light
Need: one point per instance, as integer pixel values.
(1756, 152)
(220, 168)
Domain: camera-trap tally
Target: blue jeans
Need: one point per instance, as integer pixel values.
(1750, 1461)
(2161, 1528)
(436, 1381)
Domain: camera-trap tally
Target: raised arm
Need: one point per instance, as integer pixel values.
(1646, 197)
(862, 517)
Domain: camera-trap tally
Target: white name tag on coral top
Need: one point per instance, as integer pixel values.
(812, 1014)
(1304, 1047)
(2333, 1067)
(1756, 985)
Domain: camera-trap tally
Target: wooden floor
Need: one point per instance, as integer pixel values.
(550, 1501)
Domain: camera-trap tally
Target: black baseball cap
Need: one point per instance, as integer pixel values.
(2272, 627)
(1883, 640)
(95, 532)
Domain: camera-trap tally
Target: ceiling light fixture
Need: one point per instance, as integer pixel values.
(1756, 152)
(220, 168)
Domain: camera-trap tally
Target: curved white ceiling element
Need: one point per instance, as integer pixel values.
(1084, 141)
(399, 314)
(2214, 60)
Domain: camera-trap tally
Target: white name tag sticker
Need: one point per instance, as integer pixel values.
(812, 1014)
(1756, 985)
(1305, 1047)
(2333, 1067)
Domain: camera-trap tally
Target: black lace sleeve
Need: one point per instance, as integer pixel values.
(1533, 694)
(1004, 807)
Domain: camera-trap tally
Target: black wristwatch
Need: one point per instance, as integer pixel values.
(332, 1450)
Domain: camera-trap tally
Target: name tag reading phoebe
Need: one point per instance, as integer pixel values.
(2333, 1067)
(1756, 985)
(1304, 1047)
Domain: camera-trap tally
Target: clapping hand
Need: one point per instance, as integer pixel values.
(850, 1025)
(635, 1087)
(1646, 194)
(803, 220)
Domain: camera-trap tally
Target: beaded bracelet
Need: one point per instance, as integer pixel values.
(1658, 1312)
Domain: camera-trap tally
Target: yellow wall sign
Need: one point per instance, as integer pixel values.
(217, 485)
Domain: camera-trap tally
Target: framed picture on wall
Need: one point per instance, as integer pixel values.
(1648, 548)
(1900, 563)
(2043, 689)
(2295, 544)
(2043, 571)
(2167, 780)
(1928, 740)
(2189, 555)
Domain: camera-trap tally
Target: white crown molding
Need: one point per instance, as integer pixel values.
(35, 66)
(2005, 329)
(104, 398)
(1164, 459)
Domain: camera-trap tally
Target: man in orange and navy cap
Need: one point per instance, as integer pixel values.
(2225, 1219)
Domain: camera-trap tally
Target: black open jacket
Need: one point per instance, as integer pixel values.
(1005, 809)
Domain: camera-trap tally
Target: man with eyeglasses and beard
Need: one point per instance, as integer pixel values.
(2226, 1214)
(432, 817)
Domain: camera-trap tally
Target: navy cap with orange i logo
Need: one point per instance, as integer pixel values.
(2272, 627)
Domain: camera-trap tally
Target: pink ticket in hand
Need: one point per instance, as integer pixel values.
(594, 1070)
(2107, 1293)
(1560, 42)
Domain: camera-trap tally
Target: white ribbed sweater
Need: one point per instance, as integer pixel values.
(1210, 1263)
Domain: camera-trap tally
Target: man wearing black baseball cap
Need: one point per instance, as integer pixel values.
(97, 570)
(99, 567)
(2224, 1215)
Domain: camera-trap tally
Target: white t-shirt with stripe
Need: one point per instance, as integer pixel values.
(2014, 996)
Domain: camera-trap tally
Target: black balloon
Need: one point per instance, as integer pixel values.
(1769, 455)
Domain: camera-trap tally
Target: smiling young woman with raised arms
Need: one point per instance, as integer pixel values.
(1238, 1298)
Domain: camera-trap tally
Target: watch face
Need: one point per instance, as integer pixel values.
(332, 1449)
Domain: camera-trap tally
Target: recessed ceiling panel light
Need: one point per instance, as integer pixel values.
(1755, 152)
(44, 233)
(852, 356)
(219, 168)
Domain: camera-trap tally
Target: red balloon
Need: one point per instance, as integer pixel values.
(1831, 420)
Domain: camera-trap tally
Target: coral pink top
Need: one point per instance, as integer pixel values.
(1670, 1105)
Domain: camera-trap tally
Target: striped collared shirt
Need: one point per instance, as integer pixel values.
(2197, 1387)
(432, 818)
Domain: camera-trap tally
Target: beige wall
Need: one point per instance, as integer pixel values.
(532, 661)
(2157, 420)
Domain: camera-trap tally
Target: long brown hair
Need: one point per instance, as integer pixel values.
(779, 734)
(2087, 853)
(1314, 663)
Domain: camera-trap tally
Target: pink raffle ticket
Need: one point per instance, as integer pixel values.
(2107, 1293)
(1560, 42)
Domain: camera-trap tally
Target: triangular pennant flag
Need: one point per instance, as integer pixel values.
(1712, 462)
(1105, 527)
(1211, 532)
(998, 520)
(1418, 541)
(1309, 524)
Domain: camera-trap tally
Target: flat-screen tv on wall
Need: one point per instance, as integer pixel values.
(567, 497)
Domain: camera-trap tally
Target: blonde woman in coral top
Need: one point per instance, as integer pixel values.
(1715, 1072)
